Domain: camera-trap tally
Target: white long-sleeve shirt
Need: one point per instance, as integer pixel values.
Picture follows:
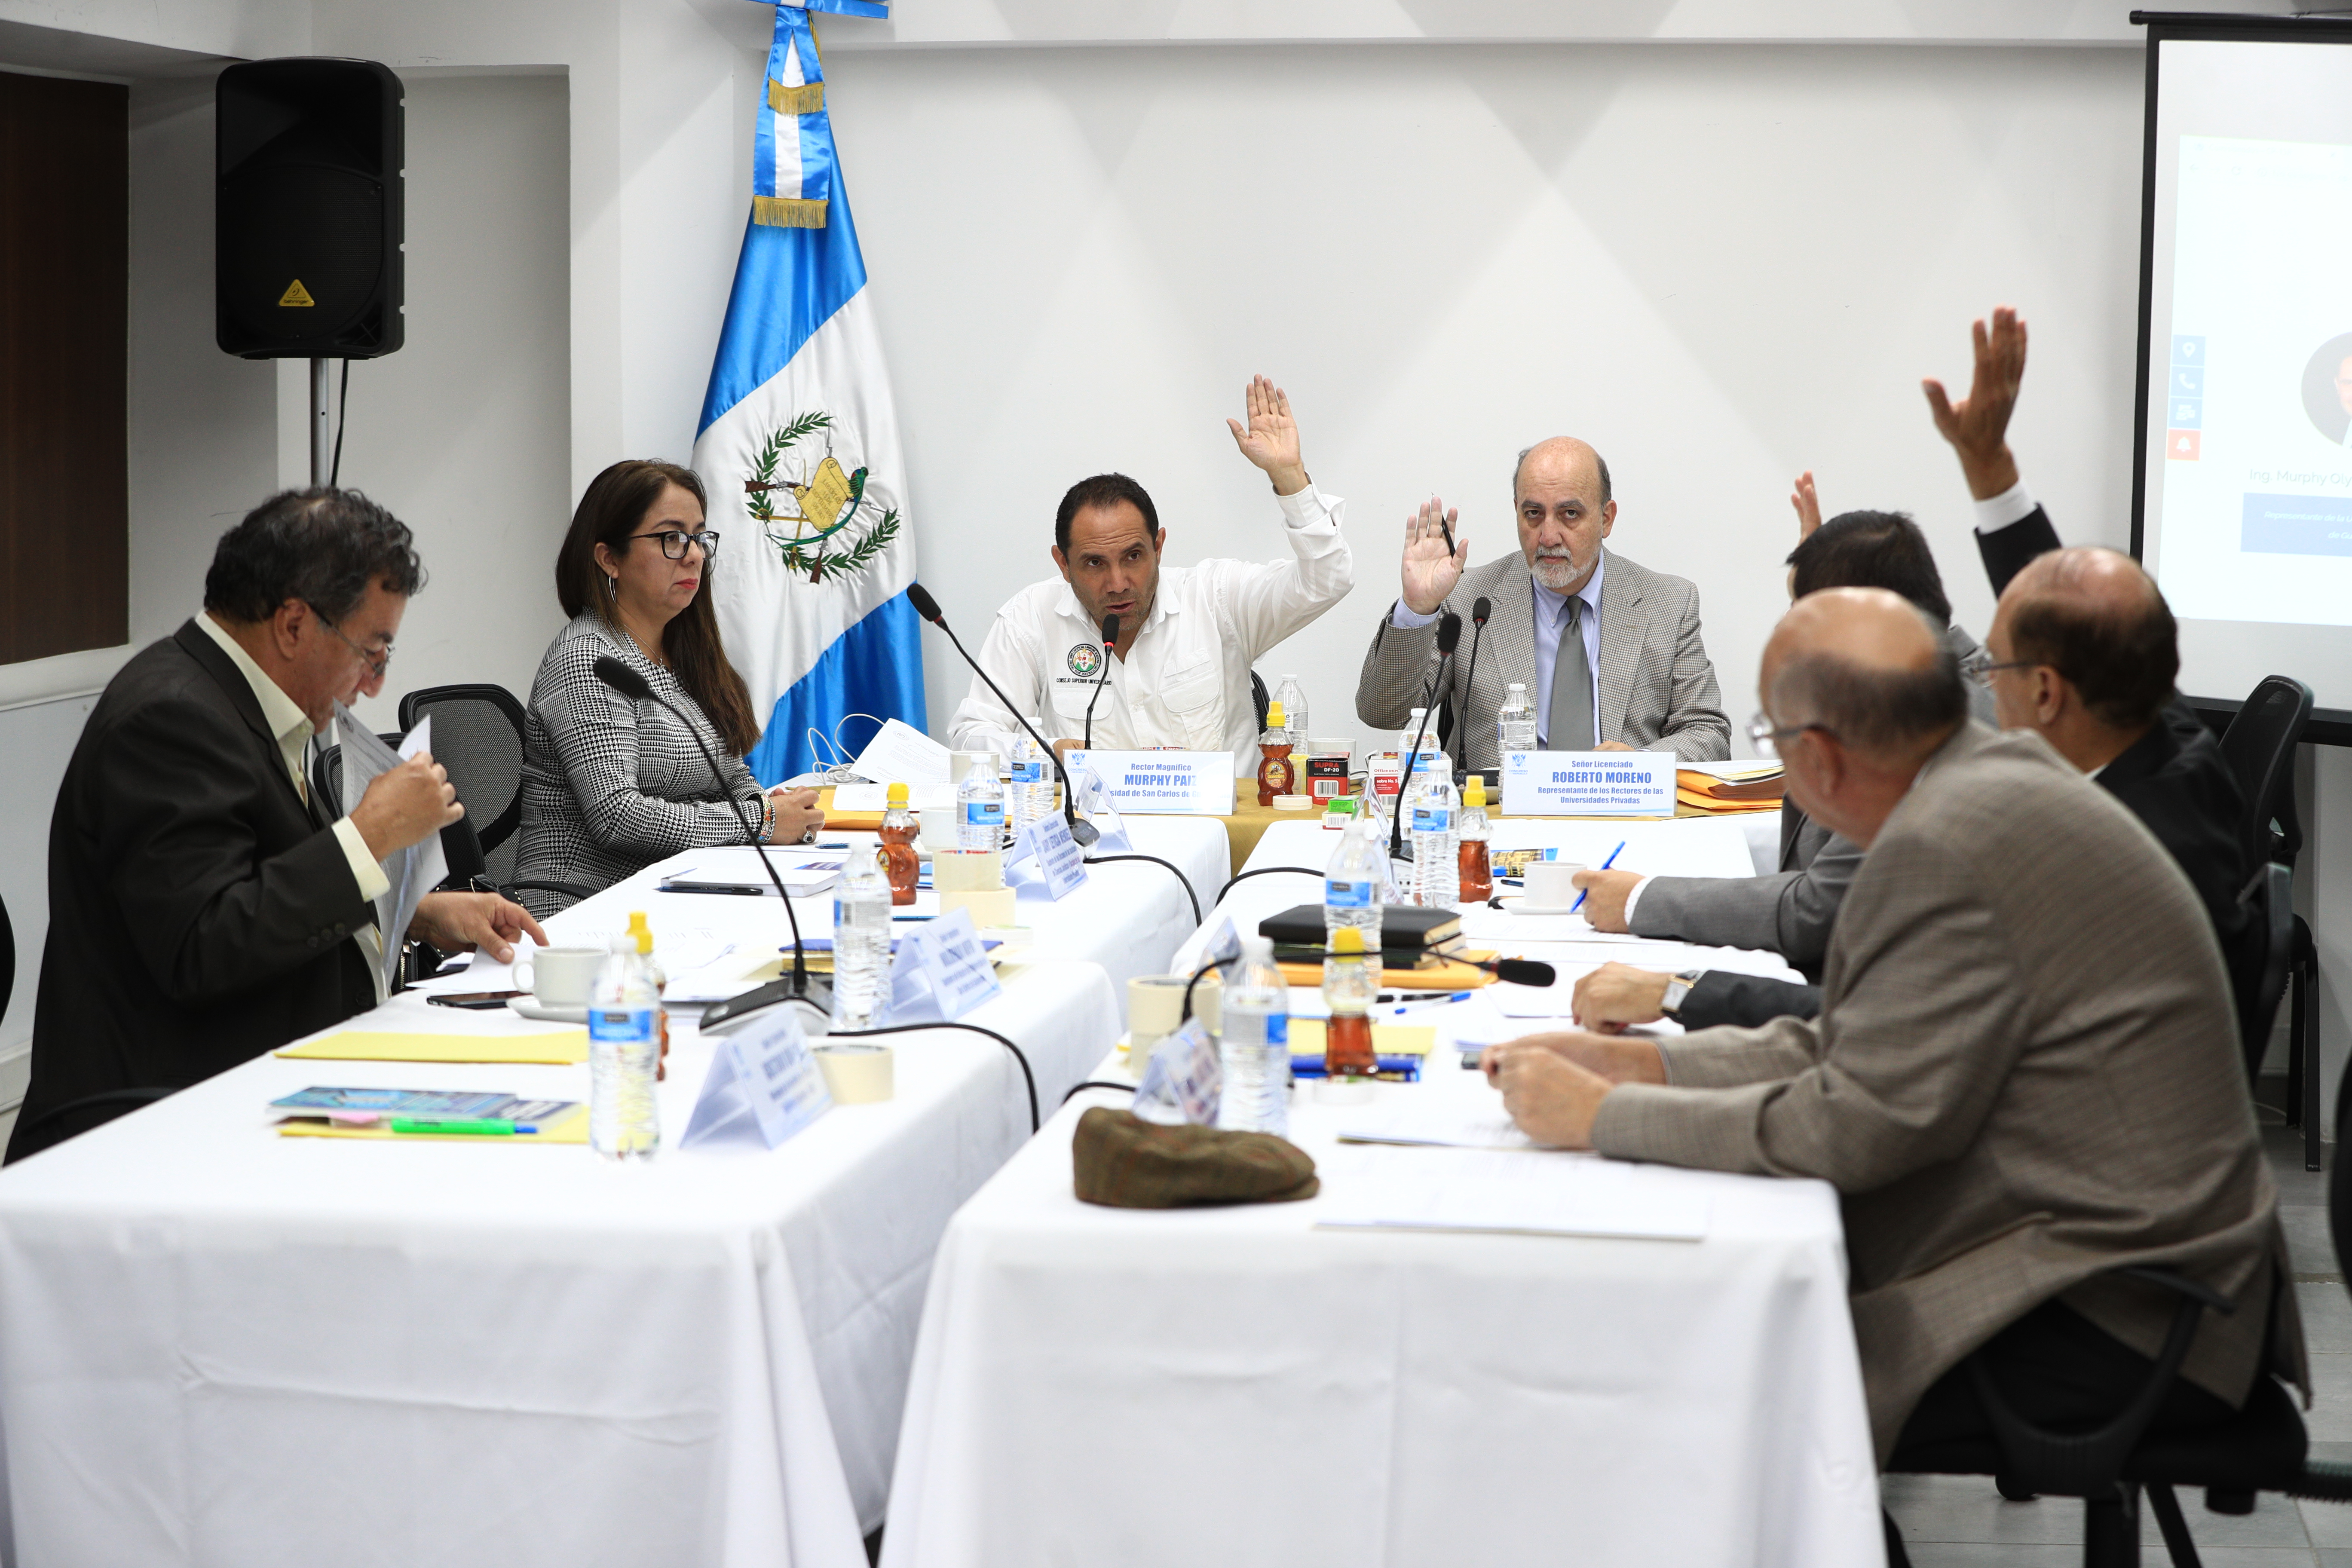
(1185, 681)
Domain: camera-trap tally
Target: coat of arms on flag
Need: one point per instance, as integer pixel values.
(799, 445)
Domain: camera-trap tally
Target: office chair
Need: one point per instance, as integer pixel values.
(478, 735)
(2262, 1447)
(2259, 746)
(1259, 697)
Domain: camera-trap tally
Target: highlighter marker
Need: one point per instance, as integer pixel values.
(480, 1129)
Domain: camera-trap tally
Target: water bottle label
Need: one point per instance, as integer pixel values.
(1243, 1030)
(984, 813)
(1031, 772)
(628, 1025)
(1432, 819)
(1347, 895)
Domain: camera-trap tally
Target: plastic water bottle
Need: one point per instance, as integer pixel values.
(1293, 698)
(861, 941)
(624, 1054)
(1353, 881)
(980, 810)
(1514, 721)
(1432, 826)
(1254, 1049)
(1030, 796)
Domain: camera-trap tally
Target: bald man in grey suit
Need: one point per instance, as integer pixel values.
(1609, 650)
(2025, 1074)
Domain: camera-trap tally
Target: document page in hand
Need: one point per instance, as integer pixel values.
(416, 871)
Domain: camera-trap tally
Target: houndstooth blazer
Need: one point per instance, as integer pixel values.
(2025, 1074)
(1657, 686)
(610, 786)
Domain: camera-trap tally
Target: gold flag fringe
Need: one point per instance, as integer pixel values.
(787, 212)
(806, 99)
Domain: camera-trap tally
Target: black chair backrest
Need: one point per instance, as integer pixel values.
(2258, 1012)
(327, 777)
(2259, 746)
(1258, 696)
(478, 735)
(2339, 1184)
(7, 957)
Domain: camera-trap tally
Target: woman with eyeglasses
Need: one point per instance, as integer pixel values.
(610, 785)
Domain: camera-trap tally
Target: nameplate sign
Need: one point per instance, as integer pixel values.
(1173, 784)
(765, 1086)
(940, 971)
(1058, 857)
(1587, 783)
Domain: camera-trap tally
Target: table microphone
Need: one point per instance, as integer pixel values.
(1449, 638)
(1111, 636)
(637, 689)
(1478, 613)
(1082, 831)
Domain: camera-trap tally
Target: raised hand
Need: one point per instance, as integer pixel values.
(1977, 426)
(1271, 441)
(1807, 502)
(405, 805)
(1431, 567)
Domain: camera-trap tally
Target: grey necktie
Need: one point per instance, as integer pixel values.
(1570, 725)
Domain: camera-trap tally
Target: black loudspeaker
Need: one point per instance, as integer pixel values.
(308, 210)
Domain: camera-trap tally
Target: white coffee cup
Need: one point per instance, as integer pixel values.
(558, 976)
(1552, 884)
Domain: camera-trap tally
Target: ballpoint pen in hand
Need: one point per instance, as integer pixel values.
(1604, 866)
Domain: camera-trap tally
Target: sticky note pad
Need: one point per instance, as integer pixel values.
(1388, 1039)
(554, 1048)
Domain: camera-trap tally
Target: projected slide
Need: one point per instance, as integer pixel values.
(2257, 399)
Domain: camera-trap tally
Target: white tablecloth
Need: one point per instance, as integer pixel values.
(220, 1345)
(1232, 1386)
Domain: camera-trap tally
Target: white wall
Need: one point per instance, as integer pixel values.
(1720, 266)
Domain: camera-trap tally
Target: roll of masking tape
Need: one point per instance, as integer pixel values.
(855, 1074)
(993, 907)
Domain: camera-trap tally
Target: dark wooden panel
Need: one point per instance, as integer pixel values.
(65, 283)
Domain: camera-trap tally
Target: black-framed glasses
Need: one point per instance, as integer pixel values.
(674, 541)
(1980, 665)
(376, 659)
(1765, 735)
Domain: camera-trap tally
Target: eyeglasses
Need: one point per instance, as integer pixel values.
(376, 659)
(675, 540)
(1765, 735)
(1980, 665)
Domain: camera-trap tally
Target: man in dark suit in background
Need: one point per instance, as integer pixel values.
(203, 906)
(2083, 650)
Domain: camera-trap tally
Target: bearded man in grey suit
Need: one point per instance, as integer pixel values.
(2025, 1074)
(1609, 650)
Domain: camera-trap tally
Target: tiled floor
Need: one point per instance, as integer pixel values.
(1959, 1521)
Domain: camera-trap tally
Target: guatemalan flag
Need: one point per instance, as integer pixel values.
(799, 445)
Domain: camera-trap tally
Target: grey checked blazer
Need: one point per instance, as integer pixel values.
(610, 786)
(2025, 1073)
(1657, 687)
(1790, 911)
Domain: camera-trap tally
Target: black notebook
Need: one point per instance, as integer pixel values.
(1403, 926)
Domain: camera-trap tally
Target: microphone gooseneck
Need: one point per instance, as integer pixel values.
(1082, 831)
(1110, 637)
(638, 688)
(1449, 638)
(1478, 613)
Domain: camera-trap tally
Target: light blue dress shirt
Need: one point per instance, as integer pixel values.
(1550, 608)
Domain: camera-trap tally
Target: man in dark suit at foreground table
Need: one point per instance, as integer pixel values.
(2024, 1073)
(204, 906)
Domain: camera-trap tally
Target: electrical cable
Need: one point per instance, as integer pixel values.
(1264, 872)
(1035, 1121)
(1097, 1083)
(1182, 881)
(1213, 963)
(342, 411)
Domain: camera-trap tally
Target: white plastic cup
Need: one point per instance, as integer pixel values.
(1552, 884)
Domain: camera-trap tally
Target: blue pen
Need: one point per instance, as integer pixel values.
(1604, 866)
(1403, 1007)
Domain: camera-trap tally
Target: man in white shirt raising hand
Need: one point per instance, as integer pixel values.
(1178, 674)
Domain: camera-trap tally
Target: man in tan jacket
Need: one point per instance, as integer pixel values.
(2025, 1073)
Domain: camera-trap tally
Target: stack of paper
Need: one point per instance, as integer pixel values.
(1729, 786)
(1526, 1191)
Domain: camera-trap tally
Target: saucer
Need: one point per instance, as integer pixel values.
(529, 1008)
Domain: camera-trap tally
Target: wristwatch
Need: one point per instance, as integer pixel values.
(1677, 989)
